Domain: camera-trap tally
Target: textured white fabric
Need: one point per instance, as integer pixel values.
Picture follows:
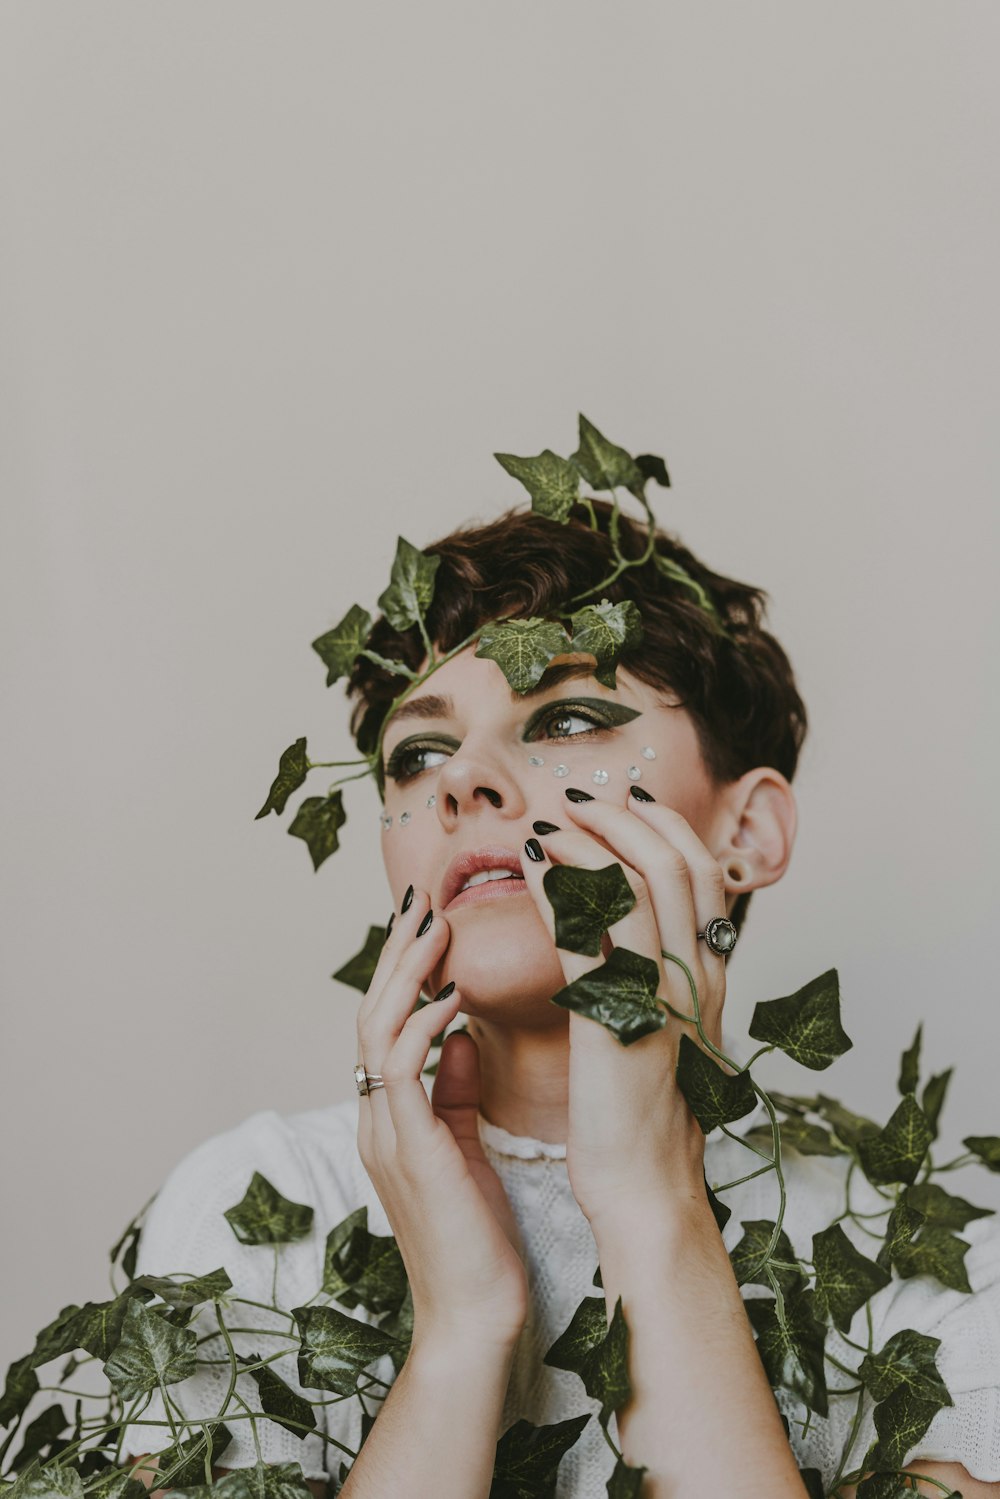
(312, 1157)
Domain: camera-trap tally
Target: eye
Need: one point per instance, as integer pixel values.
(549, 725)
(407, 762)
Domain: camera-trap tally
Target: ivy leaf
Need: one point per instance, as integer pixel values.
(191, 1454)
(291, 775)
(97, 1326)
(986, 1147)
(150, 1352)
(114, 1483)
(339, 647)
(604, 631)
(54, 1481)
(621, 994)
(318, 821)
(335, 1349)
(909, 1067)
(652, 467)
(896, 1153)
(886, 1485)
(672, 569)
(552, 482)
(847, 1126)
(906, 1360)
(399, 1324)
(805, 1025)
(263, 1216)
(130, 1238)
(812, 1479)
(749, 1256)
(335, 1264)
(184, 1293)
(40, 1433)
(940, 1208)
(904, 1220)
(359, 971)
(279, 1401)
(263, 1481)
(714, 1097)
(720, 1211)
(900, 1420)
(792, 1355)
(935, 1252)
(597, 1352)
(845, 1278)
(602, 463)
(20, 1387)
(585, 903)
(523, 648)
(796, 1134)
(367, 1269)
(625, 1482)
(932, 1101)
(528, 1457)
(411, 589)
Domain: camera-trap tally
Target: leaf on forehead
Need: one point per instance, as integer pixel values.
(409, 594)
(552, 482)
(292, 771)
(604, 631)
(338, 648)
(895, 1154)
(318, 821)
(523, 648)
(359, 970)
(585, 902)
(805, 1025)
(620, 994)
(602, 463)
(714, 1097)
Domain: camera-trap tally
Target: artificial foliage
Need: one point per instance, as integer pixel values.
(143, 1339)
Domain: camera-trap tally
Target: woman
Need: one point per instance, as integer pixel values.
(546, 1148)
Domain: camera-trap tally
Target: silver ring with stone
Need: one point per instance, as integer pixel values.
(367, 1082)
(720, 935)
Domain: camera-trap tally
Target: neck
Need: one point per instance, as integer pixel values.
(524, 1078)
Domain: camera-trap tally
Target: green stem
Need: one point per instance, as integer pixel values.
(748, 1178)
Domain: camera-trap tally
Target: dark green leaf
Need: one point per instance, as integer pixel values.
(263, 1216)
(191, 1453)
(796, 1134)
(806, 1024)
(130, 1242)
(191, 1292)
(720, 1212)
(884, 1486)
(292, 771)
(846, 1125)
(359, 970)
(625, 1482)
(714, 1097)
(39, 1435)
(933, 1098)
(114, 1483)
(901, 1421)
(523, 648)
(399, 1325)
(338, 647)
(364, 1269)
(792, 1355)
(264, 1481)
(652, 467)
(940, 1208)
(279, 1401)
(986, 1147)
(603, 464)
(896, 1154)
(620, 994)
(552, 482)
(845, 1278)
(907, 1359)
(585, 903)
(909, 1067)
(150, 1352)
(97, 1326)
(904, 1220)
(335, 1349)
(597, 1352)
(411, 589)
(528, 1458)
(935, 1252)
(791, 1103)
(21, 1385)
(604, 631)
(56, 1337)
(318, 821)
(749, 1257)
(812, 1479)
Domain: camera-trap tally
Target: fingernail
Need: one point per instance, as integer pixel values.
(545, 827)
(421, 929)
(534, 850)
(389, 927)
(578, 796)
(640, 795)
(407, 899)
(449, 988)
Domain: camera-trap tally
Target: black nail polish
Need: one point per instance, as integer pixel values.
(421, 929)
(407, 899)
(545, 827)
(640, 795)
(534, 850)
(578, 796)
(389, 927)
(449, 988)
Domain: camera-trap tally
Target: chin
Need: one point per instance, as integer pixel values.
(501, 970)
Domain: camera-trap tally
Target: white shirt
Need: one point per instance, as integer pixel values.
(312, 1157)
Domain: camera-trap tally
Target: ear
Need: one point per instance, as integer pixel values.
(755, 830)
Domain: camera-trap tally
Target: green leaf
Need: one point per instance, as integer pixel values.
(714, 1097)
(845, 1278)
(796, 1134)
(552, 482)
(585, 903)
(399, 1325)
(602, 463)
(651, 467)
(151, 1352)
(339, 647)
(528, 1458)
(56, 1337)
(279, 1401)
(130, 1237)
(935, 1252)
(335, 1349)
(900, 1421)
(97, 1326)
(812, 1480)
(184, 1293)
(53, 1481)
(620, 994)
(318, 821)
(896, 1153)
(604, 631)
(749, 1257)
(523, 648)
(40, 1434)
(805, 1025)
(263, 1481)
(887, 1485)
(986, 1147)
(292, 771)
(411, 589)
(792, 1355)
(21, 1385)
(597, 1352)
(847, 1126)
(263, 1216)
(359, 971)
(114, 1483)
(365, 1269)
(904, 1220)
(909, 1067)
(335, 1263)
(673, 570)
(940, 1208)
(932, 1101)
(625, 1482)
(720, 1211)
(906, 1360)
(190, 1453)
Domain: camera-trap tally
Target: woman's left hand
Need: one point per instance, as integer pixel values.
(631, 1133)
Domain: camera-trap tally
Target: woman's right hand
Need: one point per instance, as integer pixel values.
(447, 1207)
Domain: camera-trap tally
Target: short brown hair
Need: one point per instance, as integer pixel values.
(740, 691)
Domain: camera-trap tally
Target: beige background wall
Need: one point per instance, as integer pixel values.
(278, 280)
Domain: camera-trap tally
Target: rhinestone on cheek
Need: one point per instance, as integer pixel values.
(432, 800)
(633, 772)
(404, 818)
(601, 777)
(561, 770)
(535, 760)
(387, 819)
(648, 752)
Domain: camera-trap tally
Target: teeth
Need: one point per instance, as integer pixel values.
(482, 875)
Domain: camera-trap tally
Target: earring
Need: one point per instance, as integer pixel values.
(737, 872)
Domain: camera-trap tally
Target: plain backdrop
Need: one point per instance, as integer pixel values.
(277, 282)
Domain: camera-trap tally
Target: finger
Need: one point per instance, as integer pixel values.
(410, 1111)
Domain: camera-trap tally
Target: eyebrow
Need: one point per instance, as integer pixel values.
(436, 705)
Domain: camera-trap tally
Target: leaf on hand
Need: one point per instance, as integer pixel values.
(318, 821)
(792, 1355)
(411, 589)
(552, 482)
(291, 775)
(150, 1352)
(805, 1025)
(714, 1097)
(620, 994)
(335, 1349)
(359, 970)
(749, 1257)
(585, 903)
(845, 1278)
(523, 648)
(896, 1153)
(603, 464)
(339, 647)
(605, 631)
(264, 1216)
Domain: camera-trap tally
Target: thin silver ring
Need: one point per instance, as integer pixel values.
(367, 1081)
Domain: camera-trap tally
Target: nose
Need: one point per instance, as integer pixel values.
(469, 778)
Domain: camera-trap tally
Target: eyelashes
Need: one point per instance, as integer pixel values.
(396, 769)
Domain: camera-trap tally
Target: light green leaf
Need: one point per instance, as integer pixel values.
(53, 1481)
(264, 1216)
(672, 569)
(411, 589)
(552, 482)
(359, 970)
(896, 1154)
(292, 771)
(602, 463)
(339, 647)
(620, 994)
(263, 1481)
(805, 1025)
(585, 903)
(605, 631)
(151, 1351)
(318, 821)
(523, 648)
(714, 1096)
(845, 1278)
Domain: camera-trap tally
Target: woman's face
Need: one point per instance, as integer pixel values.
(470, 764)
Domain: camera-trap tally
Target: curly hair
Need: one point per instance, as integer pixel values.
(737, 683)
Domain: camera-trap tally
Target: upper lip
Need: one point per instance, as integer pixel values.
(491, 856)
